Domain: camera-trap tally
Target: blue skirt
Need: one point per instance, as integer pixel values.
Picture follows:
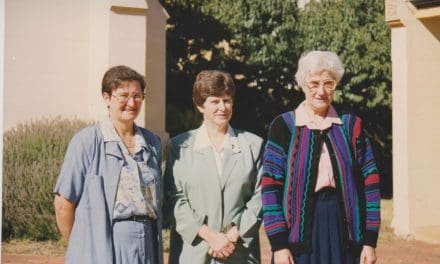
(135, 242)
(327, 238)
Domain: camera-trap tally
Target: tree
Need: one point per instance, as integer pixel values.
(259, 43)
(252, 40)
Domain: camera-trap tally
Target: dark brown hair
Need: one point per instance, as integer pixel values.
(114, 76)
(212, 83)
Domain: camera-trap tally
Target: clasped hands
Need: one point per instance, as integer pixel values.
(222, 245)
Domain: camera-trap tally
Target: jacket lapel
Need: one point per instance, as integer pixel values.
(205, 158)
(230, 158)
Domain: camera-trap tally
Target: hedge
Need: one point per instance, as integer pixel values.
(32, 156)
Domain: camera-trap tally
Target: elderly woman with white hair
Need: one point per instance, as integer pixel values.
(320, 183)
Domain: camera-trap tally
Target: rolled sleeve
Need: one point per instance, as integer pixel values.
(70, 181)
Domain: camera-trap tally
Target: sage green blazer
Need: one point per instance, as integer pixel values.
(196, 195)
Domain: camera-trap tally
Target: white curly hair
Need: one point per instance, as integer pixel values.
(315, 62)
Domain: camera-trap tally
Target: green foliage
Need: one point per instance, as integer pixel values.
(32, 158)
(259, 43)
(252, 40)
(178, 120)
(357, 32)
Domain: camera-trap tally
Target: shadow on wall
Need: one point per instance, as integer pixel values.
(433, 26)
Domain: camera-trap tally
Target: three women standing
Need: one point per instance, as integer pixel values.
(320, 184)
(212, 177)
(319, 188)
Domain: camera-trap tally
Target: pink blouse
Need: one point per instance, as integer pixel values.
(325, 169)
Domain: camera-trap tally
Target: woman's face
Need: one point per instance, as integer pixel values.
(217, 110)
(125, 102)
(319, 91)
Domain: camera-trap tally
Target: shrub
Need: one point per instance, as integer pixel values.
(32, 157)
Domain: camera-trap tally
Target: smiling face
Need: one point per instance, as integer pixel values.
(120, 111)
(217, 110)
(320, 98)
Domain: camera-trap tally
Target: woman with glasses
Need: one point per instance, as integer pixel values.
(107, 196)
(320, 183)
(212, 182)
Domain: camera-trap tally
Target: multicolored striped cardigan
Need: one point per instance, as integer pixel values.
(290, 165)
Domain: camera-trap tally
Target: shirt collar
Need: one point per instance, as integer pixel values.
(202, 139)
(303, 118)
(110, 135)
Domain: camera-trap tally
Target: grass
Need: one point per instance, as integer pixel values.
(28, 247)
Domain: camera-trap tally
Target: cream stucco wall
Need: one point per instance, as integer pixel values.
(416, 133)
(46, 60)
(128, 35)
(400, 130)
(424, 133)
(56, 53)
(155, 71)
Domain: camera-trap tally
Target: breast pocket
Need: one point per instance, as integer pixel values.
(148, 173)
(150, 182)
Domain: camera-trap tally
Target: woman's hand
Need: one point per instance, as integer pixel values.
(220, 246)
(233, 234)
(283, 256)
(368, 255)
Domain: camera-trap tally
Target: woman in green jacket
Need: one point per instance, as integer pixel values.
(212, 182)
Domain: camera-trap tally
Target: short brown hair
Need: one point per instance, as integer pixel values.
(212, 83)
(114, 76)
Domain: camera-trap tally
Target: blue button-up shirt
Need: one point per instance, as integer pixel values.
(136, 187)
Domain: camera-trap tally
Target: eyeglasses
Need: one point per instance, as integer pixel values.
(329, 85)
(124, 97)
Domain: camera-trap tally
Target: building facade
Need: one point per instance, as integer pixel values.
(56, 53)
(415, 48)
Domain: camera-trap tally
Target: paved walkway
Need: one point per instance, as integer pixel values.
(401, 251)
(389, 252)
